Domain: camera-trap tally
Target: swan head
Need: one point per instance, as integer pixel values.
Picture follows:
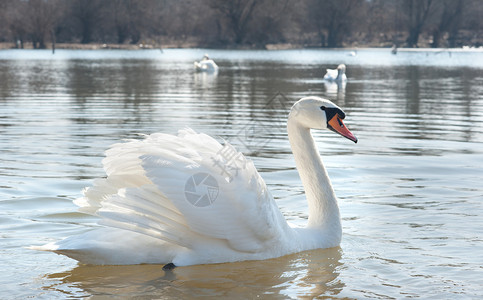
(318, 113)
(206, 57)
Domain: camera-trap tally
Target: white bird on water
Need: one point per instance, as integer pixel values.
(172, 200)
(206, 65)
(336, 74)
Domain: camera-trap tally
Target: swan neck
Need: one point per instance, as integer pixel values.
(340, 73)
(322, 203)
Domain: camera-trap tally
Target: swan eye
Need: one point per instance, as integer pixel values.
(330, 112)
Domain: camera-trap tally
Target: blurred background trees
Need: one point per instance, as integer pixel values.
(244, 23)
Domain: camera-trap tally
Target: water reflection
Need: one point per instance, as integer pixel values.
(335, 90)
(7, 81)
(307, 274)
(128, 81)
(412, 91)
(406, 188)
(205, 80)
(410, 98)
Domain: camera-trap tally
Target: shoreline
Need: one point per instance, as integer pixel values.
(268, 47)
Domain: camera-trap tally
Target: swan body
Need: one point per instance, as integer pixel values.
(206, 65)
(182, 199)
(337, 75)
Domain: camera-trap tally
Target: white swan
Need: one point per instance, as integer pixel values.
(188, 199)
(336, 74)
(206, 65)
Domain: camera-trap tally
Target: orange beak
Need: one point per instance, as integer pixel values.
(336, 125)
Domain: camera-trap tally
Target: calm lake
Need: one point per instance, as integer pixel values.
(410, 192)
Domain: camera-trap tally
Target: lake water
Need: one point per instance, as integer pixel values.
(410, 192)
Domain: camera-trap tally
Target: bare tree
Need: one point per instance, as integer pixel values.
(185, 20)
(379, 21)
(14, 14)
(333, 19)
(450, 17)
(3, 20)
(270, 22)
(327, 23)
(472, 22)
(87, 13)
(417, 12)
(237, 14)
(129, 18)
(41, 18)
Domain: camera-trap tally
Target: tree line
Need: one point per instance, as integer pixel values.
(243, 23)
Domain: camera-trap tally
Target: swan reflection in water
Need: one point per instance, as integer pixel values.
(306, 274)
(205, 80)
(335, 90)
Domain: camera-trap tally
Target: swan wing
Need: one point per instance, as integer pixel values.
(187, 190)
(331, 74)
(211, 65)
(207, 65)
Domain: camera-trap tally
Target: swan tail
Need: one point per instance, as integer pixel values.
(144, 210)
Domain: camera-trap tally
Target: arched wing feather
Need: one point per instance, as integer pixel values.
(186, 190)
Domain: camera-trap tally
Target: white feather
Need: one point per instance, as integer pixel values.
(337, 75)
(188, 199)
(208, 66)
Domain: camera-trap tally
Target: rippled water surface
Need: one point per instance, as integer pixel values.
(410, 192)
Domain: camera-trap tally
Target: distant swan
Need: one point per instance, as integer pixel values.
(206, 65)
(187, 199)
(336, 74)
